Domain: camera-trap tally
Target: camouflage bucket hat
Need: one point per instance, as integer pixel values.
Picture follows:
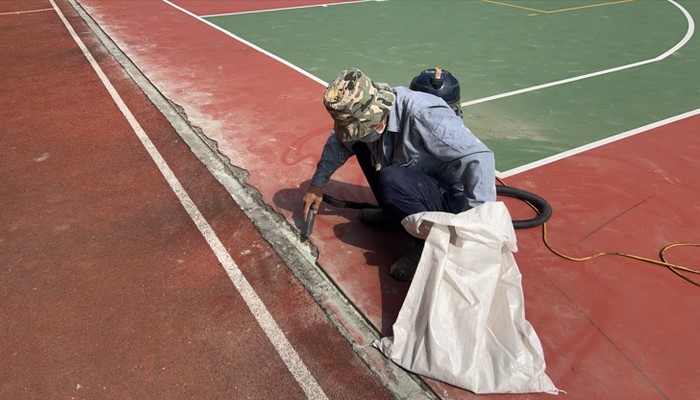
(356, 103)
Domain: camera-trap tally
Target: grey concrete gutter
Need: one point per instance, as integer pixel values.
(299, 256)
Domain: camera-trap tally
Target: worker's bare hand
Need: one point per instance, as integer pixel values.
(312, 199)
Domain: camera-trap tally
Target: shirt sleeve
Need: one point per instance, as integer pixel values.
(478, 175)
(333, 156)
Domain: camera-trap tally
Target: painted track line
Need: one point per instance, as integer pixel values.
(289, 356)
(26, 11)
(689, 33)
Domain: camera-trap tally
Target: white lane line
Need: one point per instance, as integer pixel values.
(257, 307)
(249, 44)
(598, 143)
(284, 8)
(686, 38)
(26, 11)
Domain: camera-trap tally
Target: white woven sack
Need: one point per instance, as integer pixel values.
(463, 319)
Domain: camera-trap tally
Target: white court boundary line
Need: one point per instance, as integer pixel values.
(689, 33)
(686, 38)
(285, 350)
(598, 143)
(247, 43)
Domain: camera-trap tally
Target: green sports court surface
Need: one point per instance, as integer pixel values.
(612, 66)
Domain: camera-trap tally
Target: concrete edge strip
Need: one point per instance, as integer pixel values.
(352, 325)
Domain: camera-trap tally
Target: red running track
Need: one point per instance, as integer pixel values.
(107, 287)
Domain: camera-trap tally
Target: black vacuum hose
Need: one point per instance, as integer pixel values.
(356, 205)
(544, 210)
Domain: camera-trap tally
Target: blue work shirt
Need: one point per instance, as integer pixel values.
(423, 134)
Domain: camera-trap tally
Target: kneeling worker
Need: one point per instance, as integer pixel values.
(416, 154)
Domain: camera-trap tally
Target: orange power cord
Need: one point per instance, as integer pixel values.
(676, 269)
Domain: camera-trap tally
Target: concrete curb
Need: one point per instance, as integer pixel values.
(299, 257)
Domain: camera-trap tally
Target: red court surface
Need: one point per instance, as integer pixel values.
(110, 287)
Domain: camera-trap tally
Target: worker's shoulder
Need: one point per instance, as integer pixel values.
(413, 96)
(415, 103)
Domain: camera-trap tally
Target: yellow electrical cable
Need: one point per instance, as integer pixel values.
(672, 267)
(662, 254)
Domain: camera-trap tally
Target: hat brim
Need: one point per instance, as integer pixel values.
(361, 125)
